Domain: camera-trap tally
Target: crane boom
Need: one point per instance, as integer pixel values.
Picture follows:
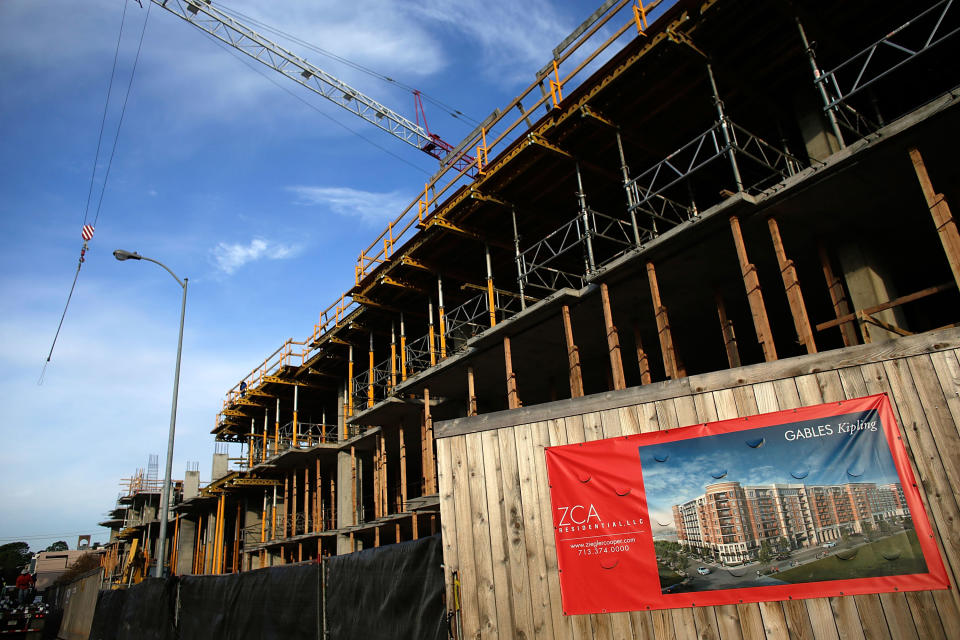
(201, 14)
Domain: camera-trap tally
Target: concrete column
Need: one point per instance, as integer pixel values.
(185, 545)
(869, 285)
(344, 515)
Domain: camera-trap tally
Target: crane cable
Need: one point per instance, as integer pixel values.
(451, 111)
(88, 229)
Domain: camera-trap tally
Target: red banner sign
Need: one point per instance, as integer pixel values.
(805, 503)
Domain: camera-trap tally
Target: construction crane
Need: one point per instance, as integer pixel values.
(203, 15)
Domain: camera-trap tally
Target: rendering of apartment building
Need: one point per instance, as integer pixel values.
(731, 520)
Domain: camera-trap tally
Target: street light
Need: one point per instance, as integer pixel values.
(122, 255)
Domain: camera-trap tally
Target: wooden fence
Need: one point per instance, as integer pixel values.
(498, 530)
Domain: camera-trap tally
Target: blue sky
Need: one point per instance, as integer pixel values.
(260, 200)
(676, 472)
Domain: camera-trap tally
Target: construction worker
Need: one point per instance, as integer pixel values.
(24, 587)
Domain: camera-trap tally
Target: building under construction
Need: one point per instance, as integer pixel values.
(744, 209)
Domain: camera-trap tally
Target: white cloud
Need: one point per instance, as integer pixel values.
(371, 207)
(515, 38)
(230, 257)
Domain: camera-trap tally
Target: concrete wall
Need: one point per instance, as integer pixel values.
(79, 602)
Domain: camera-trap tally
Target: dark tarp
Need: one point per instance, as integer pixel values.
(277, 602)
(106, 618)
(148, 613)
(390, 592)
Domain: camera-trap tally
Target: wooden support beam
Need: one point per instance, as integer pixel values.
(791, 285)
(333, 503)
(318, 501)
(613, 340)
(896, 302)
(942, 218)
(293, 503)
(729, 337)
(841, 307)
(286, 504)
(384, 477)
(236, 541)
(376, 537)
(429, 464)
(376, 477)
(513, 398)
(307, 501)
(573, 355)
(413, 526)
(642, 360)
(664, 333)
(471, 394)
(403, 470)
(353, 484)
(751, 284)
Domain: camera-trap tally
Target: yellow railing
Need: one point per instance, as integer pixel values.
(406, 225)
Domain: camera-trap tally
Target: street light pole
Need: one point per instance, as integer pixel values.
(121, 255)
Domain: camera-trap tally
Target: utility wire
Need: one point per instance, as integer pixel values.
(453, 112)
(123, 110)
(96, 157)
(273, 80)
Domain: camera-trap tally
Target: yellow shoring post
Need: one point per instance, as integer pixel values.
(403, 350)
(640, 16)
(250, 445)
(173, 549)
(263, 520)
(433, 353)
(295, 443)
(345, 409)
(276, 430)
(273, 515)
(482, 152)
(443, 330)
(370, 374)
(423, 206)
(393, 357)
(491, 307)
(350, 383)
(215, 564)
(263, 439)
(556, 87)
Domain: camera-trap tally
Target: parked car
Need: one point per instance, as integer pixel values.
(828, 545)
(703, 570)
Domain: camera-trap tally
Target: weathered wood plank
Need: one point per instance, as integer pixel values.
(620, 623)
(470, 611)
(821, 619)
(536, 562)
(581, 625)
(448, 516)
(899, 617)
(480, 533)
(540, 437)
(498, 538)
(872, 617)
(948, 372)
(515, 529)
(849, 626)
(925, 615)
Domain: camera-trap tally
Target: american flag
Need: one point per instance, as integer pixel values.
(87, 232)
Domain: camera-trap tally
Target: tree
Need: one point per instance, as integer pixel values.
(60, 545)
(764, 555)
(13, 557)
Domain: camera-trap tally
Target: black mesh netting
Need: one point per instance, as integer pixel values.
(391, 592)
(106, 618)
(279, 602)
(148, 612)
